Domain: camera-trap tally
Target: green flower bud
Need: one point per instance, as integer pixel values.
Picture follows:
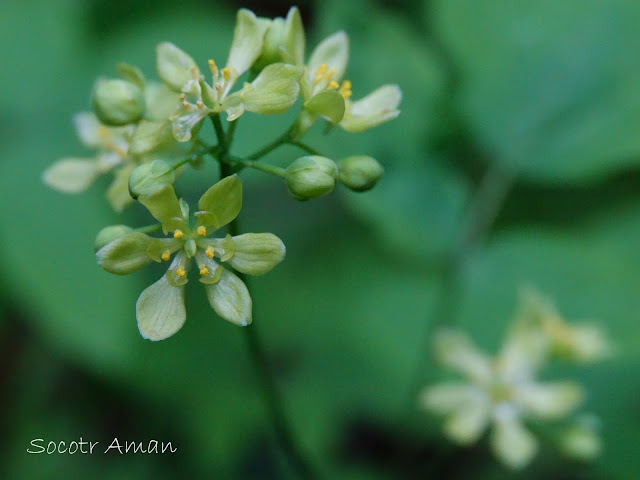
(149, 178)
(108, 234)
(360, 172)
(311, 177)
(118, 102)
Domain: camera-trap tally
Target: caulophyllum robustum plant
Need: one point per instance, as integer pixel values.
(147, 133)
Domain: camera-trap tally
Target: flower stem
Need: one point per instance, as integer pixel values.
(272, 397)
(305, 147)
(265, 167)
(483, 211)
(281, 140)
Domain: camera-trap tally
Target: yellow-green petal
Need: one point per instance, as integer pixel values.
(71, 175)
(551, 400)
(220, 204)
(160, 310)
(126, 254)
(178, 271)
(333, 52)
(161, 101)
(230, 299)
(257, 253)
(275, 90)
(378, 107)
(174, 65)
(512, 443)
(329, 104)
(150, 136)
(213, 271)
(248, 37)
(158, 246)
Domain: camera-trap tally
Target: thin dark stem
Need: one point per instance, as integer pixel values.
(281, 140)
(305, 147)
(483, 211)
(264, 167)
(272, 397)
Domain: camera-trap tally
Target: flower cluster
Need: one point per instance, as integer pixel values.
(503, 392)
(147, 133)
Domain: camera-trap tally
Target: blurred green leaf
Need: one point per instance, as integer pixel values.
(548, 86)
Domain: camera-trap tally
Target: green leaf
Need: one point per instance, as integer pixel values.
(533, 95)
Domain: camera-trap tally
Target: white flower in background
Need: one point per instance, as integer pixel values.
(499, 393)
(582, 342)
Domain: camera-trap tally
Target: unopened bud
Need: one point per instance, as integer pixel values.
(118, 102)
(148, 178)
(108, 234)
(311, 177)
(360, 172)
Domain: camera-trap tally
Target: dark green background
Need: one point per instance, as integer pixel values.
(549, 88)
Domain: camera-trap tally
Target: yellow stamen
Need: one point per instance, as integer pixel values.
(178, 234)
(333, 85)
(202, 230)
(209, 252)
(345, 89)
(226, 73)
(199, 104)
(330, 73)
(213, 67)
(182, 99)
(204, 271)
(166, 255)
(181, 272)
(321, 69)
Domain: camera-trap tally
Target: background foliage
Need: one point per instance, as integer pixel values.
(549, 89)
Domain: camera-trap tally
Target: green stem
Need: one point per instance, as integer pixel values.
(265, 167)
(305, 147)
(281, 140)
(231, 131)
(272, 397)
(483, 211)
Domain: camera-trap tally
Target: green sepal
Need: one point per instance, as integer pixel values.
(160, 310)
(215, 269)
(180, 260)
(275, 90)
(329, 104)
(220, 204)
(126, 254)
(174, 66)
(131, 74)
(164, 207)
(230, 299)
(108, 234)
(157, 246)
(257, 253)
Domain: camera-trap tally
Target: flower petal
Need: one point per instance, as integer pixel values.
(466, 425)
(88, 128)
(161, 101)
(333, 51)
(248, 37)
(165, 208)
(257, 253)
(174, 66)
(329, 104)
(221, 203)
(550, 400)
(71, 175)
(230, 299)
(118, 191)
(185, 118)
(149, 136)
(454, 349)
(160, 310)
(378, 107)
(275, 90)
(125, 254)
(448, 397)
(512, 443)
(293, 49)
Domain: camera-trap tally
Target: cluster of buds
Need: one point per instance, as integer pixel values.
(503, 392)
(147, 133)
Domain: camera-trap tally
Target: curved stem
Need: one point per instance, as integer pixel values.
(483, 211)
(265, 167)
(305, 147)
(272, 397)
(281, 140)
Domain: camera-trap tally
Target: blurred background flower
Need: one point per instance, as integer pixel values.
(547, 91)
